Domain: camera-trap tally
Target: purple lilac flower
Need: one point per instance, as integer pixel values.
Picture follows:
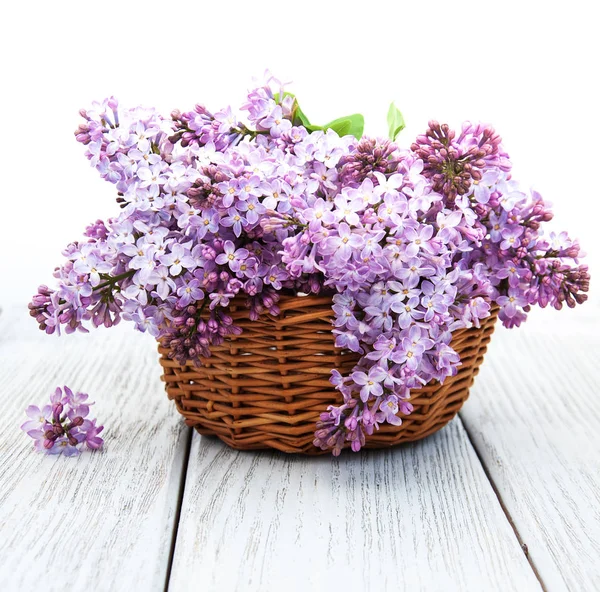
(370, 382)
(412, 244)
(61, 426)
(453, 163)
(388, 410)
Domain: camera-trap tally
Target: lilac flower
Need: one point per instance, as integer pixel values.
(246, 268)
(348, 208)
(151, 178)
(189, 292)
(482, 189)
(511, 237)
(413, 244)
(383, 348)
(91, 262)
(62, 445)
(92, 440)
(497, 225)
(512, 273)
(142, 256)
(433, 302)
(408, 312)
(231, 255)
(276, 123)
(447, 223)
(319, 213)
(275, 277)
(405, 290)
(227, 120)
(177, 259)
(370, 381)
(344, 243)
(388, 410)
(248, 188)
(205, 224)
(235, 220)
(274, 194)
(37, 418)
(163, 281)
(229, 190)
(144, 321)
(392, 209)
(418, 240)
(412, 347)
(379, 317)
(387, 184)
(77, 402)
(510, 302)
(253, 210)
(415, 270)
(347, 340)
(61, 427)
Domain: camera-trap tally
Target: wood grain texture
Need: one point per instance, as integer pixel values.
(417, 517)
(105, 520)
(534, 417)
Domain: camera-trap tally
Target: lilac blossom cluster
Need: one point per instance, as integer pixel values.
(411, 244)
(417, 249)
(187, 240)
(63, 426)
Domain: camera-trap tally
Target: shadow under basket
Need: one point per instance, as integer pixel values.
(267, 387)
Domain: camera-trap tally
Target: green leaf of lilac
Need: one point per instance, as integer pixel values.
(340, 127)
(298, 116)
(395, 121)
(352, 124)
(349, 125)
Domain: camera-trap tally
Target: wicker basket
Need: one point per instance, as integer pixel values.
(266, 387)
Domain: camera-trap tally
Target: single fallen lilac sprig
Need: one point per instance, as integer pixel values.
(61, 426)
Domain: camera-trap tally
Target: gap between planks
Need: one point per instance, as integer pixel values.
(232, 536)
(520, 539)
(182, 482)
(518, 536)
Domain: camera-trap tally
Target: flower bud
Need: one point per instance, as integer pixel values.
(77, 421)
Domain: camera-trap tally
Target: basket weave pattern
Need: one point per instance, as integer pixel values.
(266, 387)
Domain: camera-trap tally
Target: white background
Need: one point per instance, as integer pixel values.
(529, 68)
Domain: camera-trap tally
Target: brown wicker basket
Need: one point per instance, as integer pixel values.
(266, 387)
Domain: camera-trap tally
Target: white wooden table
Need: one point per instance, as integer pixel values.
(504, 498)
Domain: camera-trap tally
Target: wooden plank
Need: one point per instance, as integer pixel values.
(534, 417)
(418, 517)
(105, 520)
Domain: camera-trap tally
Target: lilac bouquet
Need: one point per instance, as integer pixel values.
(410, 243)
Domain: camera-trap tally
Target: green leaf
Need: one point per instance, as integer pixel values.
(352, 124)
(298, 116)
(395, 121)
(349, 125)
(341, 127)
